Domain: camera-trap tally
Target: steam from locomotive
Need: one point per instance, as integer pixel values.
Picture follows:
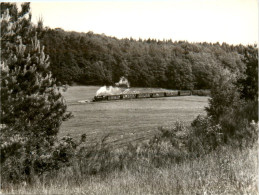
(123, 83)
(110, 90)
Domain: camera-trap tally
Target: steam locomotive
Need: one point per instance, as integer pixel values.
(142, 95)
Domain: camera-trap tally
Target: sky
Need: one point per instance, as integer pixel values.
(230, 21)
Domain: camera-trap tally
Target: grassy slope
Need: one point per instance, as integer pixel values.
(226, 171)
(127, 120)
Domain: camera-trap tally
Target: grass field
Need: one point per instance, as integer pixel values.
(154, 169)
(225, 171)
(125, 120)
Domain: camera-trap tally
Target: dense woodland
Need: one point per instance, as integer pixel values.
(93, 59)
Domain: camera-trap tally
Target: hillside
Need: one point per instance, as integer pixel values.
(93, 59)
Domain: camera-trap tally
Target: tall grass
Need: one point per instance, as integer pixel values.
(223, 171)
(200, 159)
(178, 160)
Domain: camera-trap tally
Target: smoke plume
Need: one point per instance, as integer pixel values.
(123, 83)
(110, 90)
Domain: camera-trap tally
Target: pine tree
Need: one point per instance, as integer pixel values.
(32, 107)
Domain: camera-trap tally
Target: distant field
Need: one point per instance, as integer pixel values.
(125, 120)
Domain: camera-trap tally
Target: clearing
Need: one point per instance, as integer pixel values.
(125, 120)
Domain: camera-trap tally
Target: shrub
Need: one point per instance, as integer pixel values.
(232, 110)
(23, 162)
(238, 124)
(168, 146)
(204, 136)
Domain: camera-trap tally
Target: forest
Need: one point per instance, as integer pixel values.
(94, 59)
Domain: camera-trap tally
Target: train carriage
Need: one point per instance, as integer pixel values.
(99, 98)
(158, 94)
(129, 96)
(113, 97)
(144, 95)
(185, 93)
(171, 93)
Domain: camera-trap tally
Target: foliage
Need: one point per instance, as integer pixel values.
(239, 124)
(204, 136)
(22, 161)
(157, 163)
(234, 102)
(32, 106)
(250, 82)
(92, 59)
(224, 94)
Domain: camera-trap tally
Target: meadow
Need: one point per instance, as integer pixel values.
(146, 167)
(125, 120)
(224, 171)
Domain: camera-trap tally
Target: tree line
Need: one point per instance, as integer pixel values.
(93, 59)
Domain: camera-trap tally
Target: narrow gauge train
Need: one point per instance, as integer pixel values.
(142, 95)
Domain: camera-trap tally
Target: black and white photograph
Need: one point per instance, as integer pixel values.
(129, 97)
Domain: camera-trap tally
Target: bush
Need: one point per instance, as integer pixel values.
(22, 161)
(204, 136)
(168, 146)
(231, 110)
(238, 124)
